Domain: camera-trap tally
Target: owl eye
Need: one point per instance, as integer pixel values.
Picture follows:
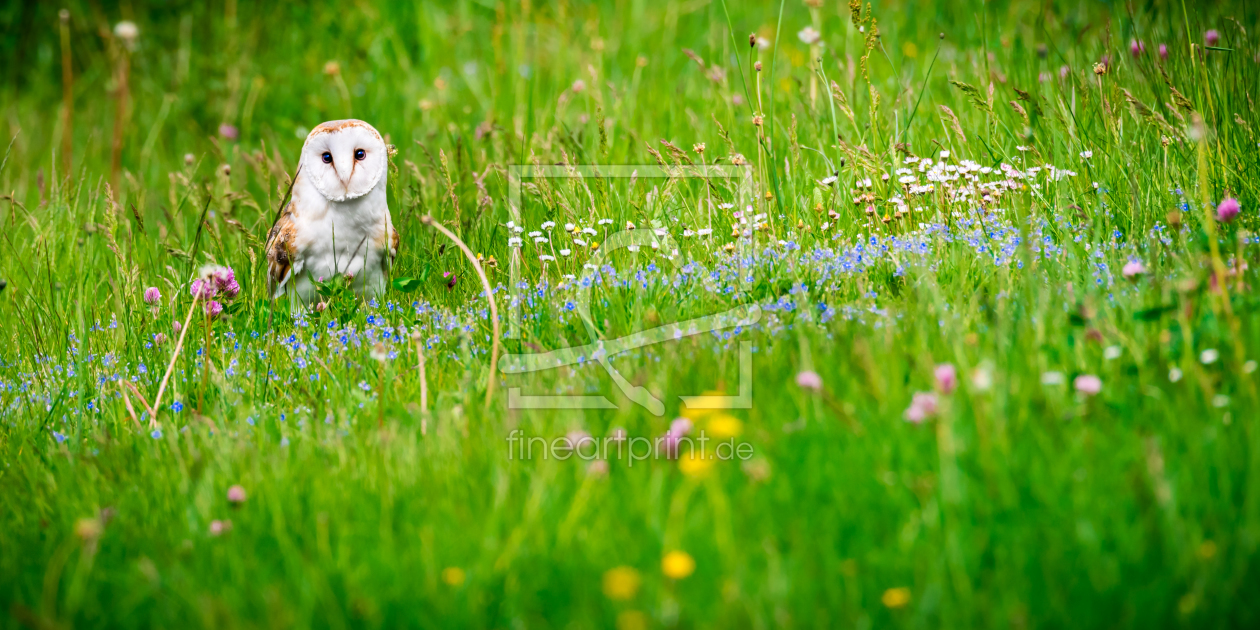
(360, 154)
(327, 157)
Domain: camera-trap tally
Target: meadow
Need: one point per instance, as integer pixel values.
(974, 276)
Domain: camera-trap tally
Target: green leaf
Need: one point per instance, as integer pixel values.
(1153, 313)
(406, 285)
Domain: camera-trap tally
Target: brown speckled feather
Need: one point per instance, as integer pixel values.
(280, 248)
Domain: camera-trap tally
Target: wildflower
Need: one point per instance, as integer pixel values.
(1174, 375)
(450, 284)
(89, 529)
(752, 40)
(681, 426)
(922, 406)
(677, 565)
(1087, 384)
(598, 468)
(1063, 72)
(203, 289)
(758, 120)
(224, 280)
(1212, 37)
(1209, 356)
(213, 308)
(156, 434)
(1112, 353)
(1100, 68)
(698, 147)
(809, 35)
(982, 378)
(946, 378)
(1136, 48)
(621, 583)
(723, 426)
(332, 68)
(696, 463)
(379, 353)
(229, 132)
(236, 494)
(218, 528)
(809, 379)
(1133, 269)
(152, 295)
(1163, 52)
(896, 597)
(1227, 210)
(189, 159)
(1085, 155)
(578, 86)
(453, 576)
(60, 437)
(128, 32)
(575, 440)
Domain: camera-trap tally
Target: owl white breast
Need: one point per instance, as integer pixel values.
(337, 222)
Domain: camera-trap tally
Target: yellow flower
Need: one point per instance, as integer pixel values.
(453, 576)
(677, 565)
(694, 409)
(695, 464)
(721, 426)
(621, 583)
(896, 597)
(632, 620)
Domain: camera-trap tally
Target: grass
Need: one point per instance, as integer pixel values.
(881, 497)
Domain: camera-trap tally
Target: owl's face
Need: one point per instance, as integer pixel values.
(344, 158)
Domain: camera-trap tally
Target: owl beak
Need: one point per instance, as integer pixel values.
(345, 179)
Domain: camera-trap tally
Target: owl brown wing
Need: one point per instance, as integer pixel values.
(393, 244)
(281, 249)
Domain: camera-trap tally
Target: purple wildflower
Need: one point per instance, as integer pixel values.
(946, 378)
(1228, 210)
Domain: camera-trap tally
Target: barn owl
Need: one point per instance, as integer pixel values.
(337, 221)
